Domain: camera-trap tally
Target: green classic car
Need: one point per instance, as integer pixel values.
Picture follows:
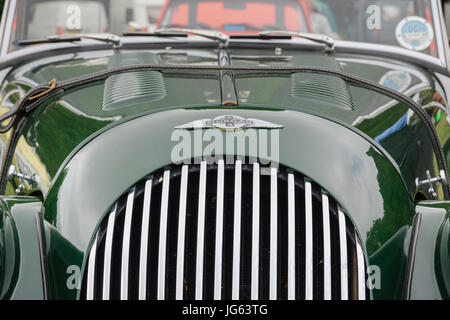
(301, 157)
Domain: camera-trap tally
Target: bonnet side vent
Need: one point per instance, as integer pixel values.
(125, 89)
(327, 89)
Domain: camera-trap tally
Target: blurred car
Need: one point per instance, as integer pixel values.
(66, 17)
(136, 15)
(236, 16)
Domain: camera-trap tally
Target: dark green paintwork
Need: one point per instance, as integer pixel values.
(22, 278)
(92, 156)
(443, 257)
(77, 208)
(431, 268)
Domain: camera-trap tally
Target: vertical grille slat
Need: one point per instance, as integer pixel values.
(326, 248)
(201, 233)
(291, 236)
(90, 273)
(108, 254)
(273, 233)
(219, 231)
(237, 230)
(361, 271)
(181, 234)
(343, 250)
(255, 233)
(126, 247)
(143, 258)
(163, 237)
(241, 231)
(308, 242)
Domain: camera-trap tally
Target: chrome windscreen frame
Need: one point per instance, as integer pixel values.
(5, 26)
(441, 33)
(440, 64)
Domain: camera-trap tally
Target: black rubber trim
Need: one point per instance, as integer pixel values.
(159, 35)
(259, 37)
(411, 256)
(26, 106)
(41, 240)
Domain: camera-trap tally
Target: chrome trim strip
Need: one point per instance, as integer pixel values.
(440, 32)
(445, 38)
(273, 233)
(145, 228)
(393, 52)
(42, 255)
(412, 256)
(255, 232)
(163, 237)
(237, 231)
(6, 31)
(126, 247)
(308, 242)
(291, 237)
(219, 231)
(108, 254)
(181, 234)
(361, 270)
(200, 232)
(91, 271)
(4, 17)
(326, 248)
(343, 250)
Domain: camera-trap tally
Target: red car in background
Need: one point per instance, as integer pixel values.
(236, 16)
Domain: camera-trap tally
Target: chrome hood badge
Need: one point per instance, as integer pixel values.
(229, 122)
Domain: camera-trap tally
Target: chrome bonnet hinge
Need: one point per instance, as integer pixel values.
(13, 174)
(431, 181)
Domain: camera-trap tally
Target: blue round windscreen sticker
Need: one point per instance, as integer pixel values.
(414, 33)
(396, 80)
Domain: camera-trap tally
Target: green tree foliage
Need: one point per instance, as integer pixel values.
(2, 2)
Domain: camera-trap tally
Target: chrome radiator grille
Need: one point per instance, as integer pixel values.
(223, 231)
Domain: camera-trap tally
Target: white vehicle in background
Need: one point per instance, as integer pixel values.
(91, 17)
(67, 17)
(137, 15)
(146, 13)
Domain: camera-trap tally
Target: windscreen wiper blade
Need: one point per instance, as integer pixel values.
(320, 38)
(167, 32)
(104, 37)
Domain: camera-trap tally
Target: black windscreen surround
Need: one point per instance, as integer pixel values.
(220, 231)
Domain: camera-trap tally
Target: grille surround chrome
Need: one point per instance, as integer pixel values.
(297, 258)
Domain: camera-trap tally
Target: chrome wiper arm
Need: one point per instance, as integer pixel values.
(210, 34)
(104, 37)
(115, 40)
(320, 38)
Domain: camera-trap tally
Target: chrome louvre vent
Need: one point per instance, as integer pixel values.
(330, 90)
(125, 89)
(212, 232)
(327, 89)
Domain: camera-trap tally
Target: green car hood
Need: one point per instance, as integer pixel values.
(359, 176)
(92, 152)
